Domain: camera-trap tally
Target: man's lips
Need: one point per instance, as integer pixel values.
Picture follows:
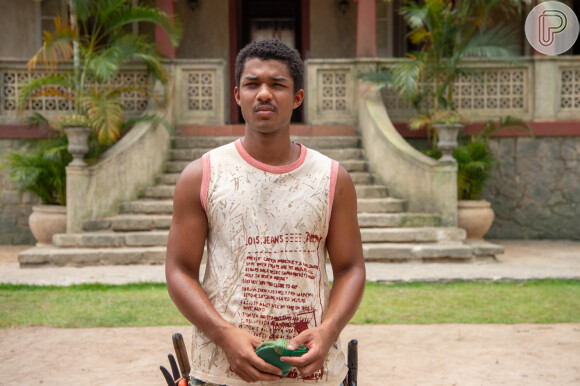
(265, 108)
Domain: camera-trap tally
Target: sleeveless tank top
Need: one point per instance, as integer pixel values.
(266, 245)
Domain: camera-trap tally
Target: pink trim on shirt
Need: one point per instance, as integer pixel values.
(269, 168)
(333, 178)
(206, 174)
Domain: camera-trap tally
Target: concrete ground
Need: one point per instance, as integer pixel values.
(522, 260)
(447, 354)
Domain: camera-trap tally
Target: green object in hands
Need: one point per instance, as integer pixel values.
(272, 351)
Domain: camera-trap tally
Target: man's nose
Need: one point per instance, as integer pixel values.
(264, 93)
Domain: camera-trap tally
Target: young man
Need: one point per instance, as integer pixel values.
(270, 210)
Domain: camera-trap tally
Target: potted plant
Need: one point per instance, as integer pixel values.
(446, 34)
(475, 162)
(97, 43)
(42, 172)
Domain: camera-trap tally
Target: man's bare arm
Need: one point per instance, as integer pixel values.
(184, 254)
(345, 251)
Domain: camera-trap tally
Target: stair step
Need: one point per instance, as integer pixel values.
(411, 235)
(371, 191)
(185, 142)
(349, 165)
(358, 178)
(138, 222)
(159, 191)
(187, 154)
(361, 178)
(175, 166)
(330, 142)
(426, 252)
(82, 257)
(354, 165)
(317, 143)
(168, 178)
(148, 207)
(485, 250)
(111, 239)
(343, 154)
(375, 220)
(165, 206)
(380, 205)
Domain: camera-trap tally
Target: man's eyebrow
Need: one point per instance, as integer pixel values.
(275, 79)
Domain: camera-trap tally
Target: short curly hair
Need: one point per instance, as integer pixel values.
(272, 49)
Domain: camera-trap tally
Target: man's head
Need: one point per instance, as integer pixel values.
(272, 49)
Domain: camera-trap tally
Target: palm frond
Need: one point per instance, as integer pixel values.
(406, 76)
(414, 14)
(379, 79)
(56, 48)
(500, 42)
(52, 81)
(474, 164)
(41, 171)
(106, 112)
(128, 15)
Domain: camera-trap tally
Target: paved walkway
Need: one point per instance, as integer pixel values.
(522, 260)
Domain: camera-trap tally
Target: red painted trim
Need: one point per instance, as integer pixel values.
(22, 131)
(539, 128)
(269, 168)
(366, 26)
(205, 180)
(233, 52)
(162, 42)
(238, 130)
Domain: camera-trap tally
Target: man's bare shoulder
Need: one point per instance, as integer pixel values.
(190, 180)
(343, 182)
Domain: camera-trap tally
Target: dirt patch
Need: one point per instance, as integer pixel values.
(525, 354)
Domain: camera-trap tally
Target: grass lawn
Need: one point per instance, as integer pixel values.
(148, 304)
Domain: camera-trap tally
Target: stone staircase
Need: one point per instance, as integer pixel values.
(138, 233)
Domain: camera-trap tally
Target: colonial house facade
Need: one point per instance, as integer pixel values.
(534, 189)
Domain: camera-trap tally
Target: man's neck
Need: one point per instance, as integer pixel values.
(274, 149)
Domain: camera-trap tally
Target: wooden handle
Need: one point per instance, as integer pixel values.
(181, 355)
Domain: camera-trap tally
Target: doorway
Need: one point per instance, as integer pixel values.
(264, 19)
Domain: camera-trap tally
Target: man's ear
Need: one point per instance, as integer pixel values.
(298, 98)
(237, 95)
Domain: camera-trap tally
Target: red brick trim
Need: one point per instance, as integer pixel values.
(238, 130)
(22, 131)
(539, 128)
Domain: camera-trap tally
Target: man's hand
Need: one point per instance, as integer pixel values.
(239, 347)
(318, 341)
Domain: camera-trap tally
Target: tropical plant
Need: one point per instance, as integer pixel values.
(42, 171)
(96, 41)
(475, 160)
(447, 33)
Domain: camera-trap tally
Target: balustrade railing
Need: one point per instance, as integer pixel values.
(13, 75)
(537, 88)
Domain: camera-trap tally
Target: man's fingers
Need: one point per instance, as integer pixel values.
(265, 367)
(298, 361)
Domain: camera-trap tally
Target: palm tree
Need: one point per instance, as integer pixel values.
(447, 34)
(98, 44)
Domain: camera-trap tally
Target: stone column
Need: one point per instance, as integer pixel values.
(366, 26)
(164, 47)
(545, 88)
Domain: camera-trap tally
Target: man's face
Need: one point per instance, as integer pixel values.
(266, 95)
